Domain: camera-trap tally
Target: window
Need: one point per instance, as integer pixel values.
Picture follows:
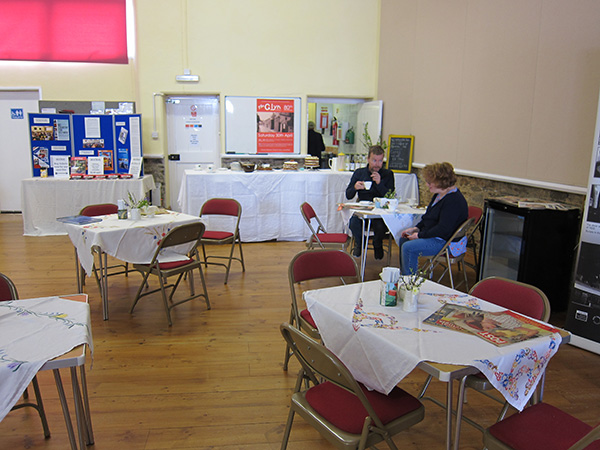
(64, 30)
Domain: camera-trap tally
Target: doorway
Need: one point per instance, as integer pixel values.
(343, 121)
(15, 145)
(193, 137)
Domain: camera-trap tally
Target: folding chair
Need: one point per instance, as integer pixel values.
(344, 411)
(477, 214)
(542, 427)
(445, 257)
(519, 297)
(8, 291)
(312, 265)
(190, 233)
(321, 237)
(223, 207)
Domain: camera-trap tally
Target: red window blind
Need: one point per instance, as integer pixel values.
(63, 30)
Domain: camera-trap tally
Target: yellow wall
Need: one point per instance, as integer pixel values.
(259, 47)
(498, 87)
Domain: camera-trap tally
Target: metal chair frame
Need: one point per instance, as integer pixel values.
(188, 233)
(308, 213)
(445, 259)
(211, 208)
(321, 365)
(312, 265)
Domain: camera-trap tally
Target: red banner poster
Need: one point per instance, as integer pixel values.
(275, 126)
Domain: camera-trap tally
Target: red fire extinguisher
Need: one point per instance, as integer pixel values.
(334, 131)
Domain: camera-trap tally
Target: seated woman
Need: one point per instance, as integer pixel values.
(447, 210)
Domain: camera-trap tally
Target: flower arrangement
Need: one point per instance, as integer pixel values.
(134, 203)
(412, 282)
(390, 194)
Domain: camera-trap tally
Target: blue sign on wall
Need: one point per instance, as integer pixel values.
(16, 113)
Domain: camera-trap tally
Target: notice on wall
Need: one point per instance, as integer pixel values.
(275, 128)
(135, 167)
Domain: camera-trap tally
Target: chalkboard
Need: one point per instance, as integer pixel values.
(400, 153)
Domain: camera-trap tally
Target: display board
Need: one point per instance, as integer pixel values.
(50, 136)
(262, 125)
(93, 135)
(82, 145)
(400, 153)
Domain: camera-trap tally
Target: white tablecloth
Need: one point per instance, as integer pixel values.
(43, 200)
(401, 218)
(133, 241)
(271, 199)
(381, 345)
(32, 332)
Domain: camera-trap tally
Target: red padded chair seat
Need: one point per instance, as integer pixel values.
(332, 238)
(345, 411)
(216, 235)
(306, 315)
(541, 427)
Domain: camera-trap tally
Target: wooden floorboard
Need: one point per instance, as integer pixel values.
(214, 380)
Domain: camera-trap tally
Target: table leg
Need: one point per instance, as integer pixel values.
(65, 408)
(365, 245)
(103, 268)
(86, 405)
(459, 410)
(449, 415)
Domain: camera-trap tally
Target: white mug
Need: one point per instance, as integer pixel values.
(333, 164)
(368, 184)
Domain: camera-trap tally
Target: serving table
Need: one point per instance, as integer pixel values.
(382, 345)
(43, 200)
(49, 333)
(271, 199)
(131, 241)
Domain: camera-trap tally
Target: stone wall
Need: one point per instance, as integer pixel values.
(476, 190)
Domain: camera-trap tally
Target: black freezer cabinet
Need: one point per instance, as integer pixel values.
(534, 245)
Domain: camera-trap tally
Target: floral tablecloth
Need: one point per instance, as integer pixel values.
(32, 332)
(133, 241)
(382, 345)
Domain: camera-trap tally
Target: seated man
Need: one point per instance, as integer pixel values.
(379, 181)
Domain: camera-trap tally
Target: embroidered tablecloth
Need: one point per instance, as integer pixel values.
(133, 241)
(382, 345)
(32, 332)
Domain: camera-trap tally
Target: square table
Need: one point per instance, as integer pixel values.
(131, 241)
(404, 216)
(381, 345)
(49, 333)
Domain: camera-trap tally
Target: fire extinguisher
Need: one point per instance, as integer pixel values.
(334, 131)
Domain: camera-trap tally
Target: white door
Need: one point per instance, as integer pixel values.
(193, 137)
(371, 113)
(15, 145)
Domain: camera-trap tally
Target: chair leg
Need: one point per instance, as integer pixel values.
(164, 297)
(40, 407)
(288, 429)
(139, 292)
(241, 254)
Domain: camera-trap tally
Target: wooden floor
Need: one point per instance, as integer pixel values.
(214, 380)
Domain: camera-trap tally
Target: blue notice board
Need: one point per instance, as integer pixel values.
(128, 143)
(93, 135)
(50, 135)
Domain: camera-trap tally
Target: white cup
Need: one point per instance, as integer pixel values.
(210, 168)
(332, 164)
(368, 184)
